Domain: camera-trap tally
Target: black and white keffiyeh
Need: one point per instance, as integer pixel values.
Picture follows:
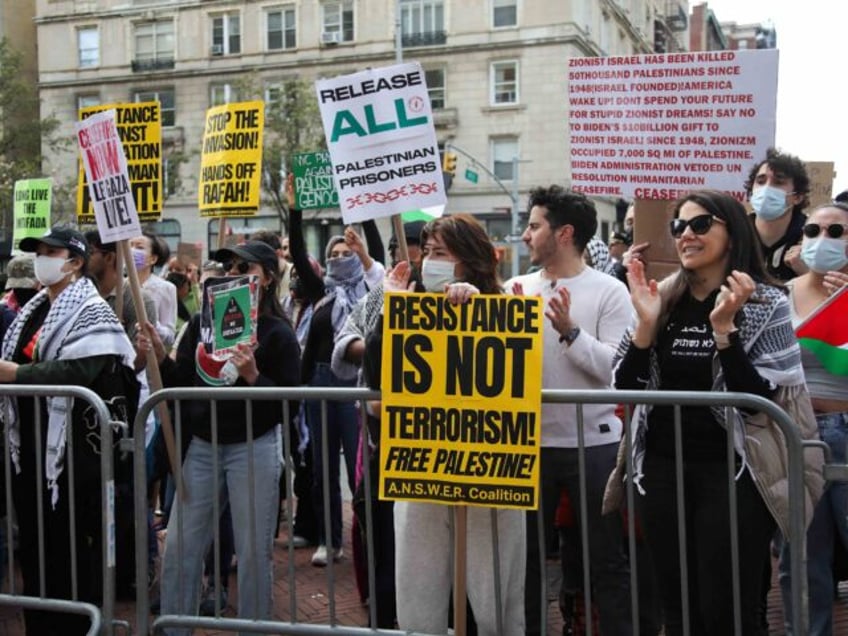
(79, 324)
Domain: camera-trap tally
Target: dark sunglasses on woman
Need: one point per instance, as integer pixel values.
(700, 224)
(834, 230)
(241, 267)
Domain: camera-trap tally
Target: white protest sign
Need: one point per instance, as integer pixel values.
(379, 129)
(108, 182)
(658, 126)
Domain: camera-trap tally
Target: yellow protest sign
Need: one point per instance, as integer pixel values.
(462, 386)
(231, 160)
(140, 131)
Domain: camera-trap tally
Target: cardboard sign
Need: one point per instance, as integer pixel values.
(314, 187)
(140, 129)
(461, 415)
(231, 160)
(821, 175)
(31, 209)
(380, 135)
(657, 126)
(108, 180)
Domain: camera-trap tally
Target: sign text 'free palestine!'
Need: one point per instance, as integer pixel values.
(379, 129)
(461, 389)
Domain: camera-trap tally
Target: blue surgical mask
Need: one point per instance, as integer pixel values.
(769, 202)
(824, 254)
(436, 274)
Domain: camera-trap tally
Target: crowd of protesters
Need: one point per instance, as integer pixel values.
(744, 281)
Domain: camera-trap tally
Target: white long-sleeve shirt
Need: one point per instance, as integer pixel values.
(601, 307)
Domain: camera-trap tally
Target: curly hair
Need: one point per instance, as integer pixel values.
(786, 164)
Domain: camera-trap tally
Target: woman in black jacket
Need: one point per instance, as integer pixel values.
(275, 362)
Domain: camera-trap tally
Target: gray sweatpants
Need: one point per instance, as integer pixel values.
(424, 567)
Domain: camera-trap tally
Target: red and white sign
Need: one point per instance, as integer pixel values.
(658, 126)
(108, 182)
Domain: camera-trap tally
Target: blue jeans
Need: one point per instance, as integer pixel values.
(182, 570)
(342, 433)
(829, 524)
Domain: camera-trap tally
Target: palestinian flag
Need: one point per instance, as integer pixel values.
(208, 368)
(825, 333)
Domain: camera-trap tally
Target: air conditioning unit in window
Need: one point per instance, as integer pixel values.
(331, 37)
(217, 49)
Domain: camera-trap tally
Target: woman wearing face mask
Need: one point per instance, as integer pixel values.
(274, 362)
(332, 299)
(825, 252)
(459, 261)
(148, 251)
(66, 335)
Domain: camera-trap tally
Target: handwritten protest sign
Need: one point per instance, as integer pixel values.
(313, 181)
(380, 135)
(108, 182)
(140, 130)
(657, 126)
(231, 160)
(31, 209)
(461, 400)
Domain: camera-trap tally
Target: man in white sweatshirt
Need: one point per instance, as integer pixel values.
(587, 313)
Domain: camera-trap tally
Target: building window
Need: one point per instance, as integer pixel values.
(226, 34)
(273, 95)
(741, 45)
(504, 13)
(88, 44)
(338, 18)
(168, 229)
(422, 22)
(167, 103)
(503, 150)
(282, 29)
(220, 94)
(505, 82)
(435, 78)
(154, 45)
(90, 99)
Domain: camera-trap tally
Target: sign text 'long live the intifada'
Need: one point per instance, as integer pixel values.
(461, 400)
(657, 126)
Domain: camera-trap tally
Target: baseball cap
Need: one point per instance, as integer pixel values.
(250, 252)
(20, 272)
(59, 236)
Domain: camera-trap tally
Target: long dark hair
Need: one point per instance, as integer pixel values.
(744, 255)
(467, 240)
(269, 303)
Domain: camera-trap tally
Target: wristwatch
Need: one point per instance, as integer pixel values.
(570, 336)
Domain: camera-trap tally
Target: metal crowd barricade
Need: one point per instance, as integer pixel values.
(101, 618)
(796, 448)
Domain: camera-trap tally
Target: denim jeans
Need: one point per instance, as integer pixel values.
(829, 524)
(182, 570)
(342, 433)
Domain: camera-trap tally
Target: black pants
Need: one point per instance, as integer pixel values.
(708, 544)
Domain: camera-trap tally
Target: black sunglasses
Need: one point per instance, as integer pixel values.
(241, 266)
(834, 230)
(700, 224)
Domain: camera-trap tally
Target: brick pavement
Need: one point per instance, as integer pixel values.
(311, 588)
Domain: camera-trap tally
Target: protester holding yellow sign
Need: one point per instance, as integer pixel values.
(430, 452)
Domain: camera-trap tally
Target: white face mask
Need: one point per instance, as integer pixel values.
(48, 269)
(436, 274)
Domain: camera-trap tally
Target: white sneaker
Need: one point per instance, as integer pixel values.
(319, 559)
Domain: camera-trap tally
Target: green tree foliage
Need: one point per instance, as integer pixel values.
(24, 138)
(292, 125)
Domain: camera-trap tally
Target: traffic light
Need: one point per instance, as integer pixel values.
(449, 163)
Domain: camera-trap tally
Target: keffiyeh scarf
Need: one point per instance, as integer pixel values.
(345, 284)
(79, 324)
